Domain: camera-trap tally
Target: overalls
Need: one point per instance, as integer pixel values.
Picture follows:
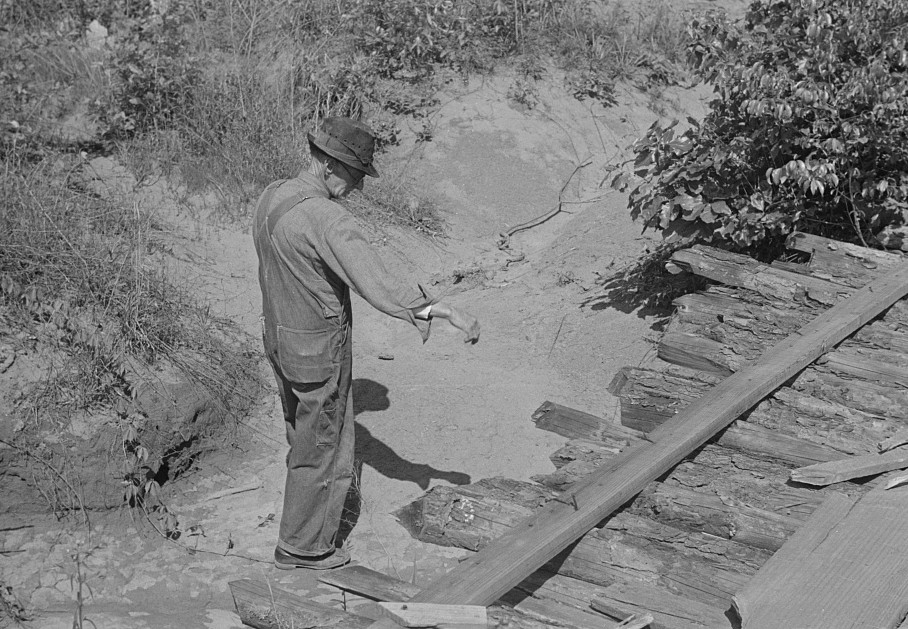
(309, 345)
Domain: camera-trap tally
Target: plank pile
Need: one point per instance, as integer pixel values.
(756, 413)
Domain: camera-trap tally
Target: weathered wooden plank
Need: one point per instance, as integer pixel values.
(875, 366)
(722, 349)
(561, 479)
(897, 315)
(470, 516)
(696, 565)
(851, 576)
(796, 550)
(796, 425)
(884, 335)
(649, 398)
(786, 448)
(836, 268)
(584, 450)
(738, 270)
(669, 611)
(808, 243)
(381, 587)
(850, 468)
(409, 614)
(880, 404)
(709, 513)
(264, 606)
(574, 424)
(550, 612)
(699, 352)
(557, 601)
(717, 303)
(820, 422)
(742, 478)
(481, 579)
(369, 583)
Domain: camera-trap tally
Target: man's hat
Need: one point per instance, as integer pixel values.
(348, 141)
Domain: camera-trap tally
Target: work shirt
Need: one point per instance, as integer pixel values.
(311, 254)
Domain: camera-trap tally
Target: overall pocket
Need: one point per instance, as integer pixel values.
(306, 355)
(328, 422)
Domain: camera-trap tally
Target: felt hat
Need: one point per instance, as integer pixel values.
(346, 140)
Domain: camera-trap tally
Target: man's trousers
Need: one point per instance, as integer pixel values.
(320, 430)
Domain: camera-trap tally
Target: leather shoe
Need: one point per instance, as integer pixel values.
(288, 561)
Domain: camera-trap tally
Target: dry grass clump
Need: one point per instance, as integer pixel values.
(84, 300)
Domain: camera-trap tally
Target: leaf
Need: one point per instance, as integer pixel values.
(685, 201)
(644, 158)
(620, 181)
(720, 207)
(692, 213)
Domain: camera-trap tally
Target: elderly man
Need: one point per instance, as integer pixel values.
(311, 254)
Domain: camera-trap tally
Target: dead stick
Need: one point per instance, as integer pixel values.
(505, 237)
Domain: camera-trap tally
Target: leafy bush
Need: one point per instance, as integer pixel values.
(410, 40)
(156, 70)
(809, 130)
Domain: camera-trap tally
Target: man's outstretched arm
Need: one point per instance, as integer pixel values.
(463, 321)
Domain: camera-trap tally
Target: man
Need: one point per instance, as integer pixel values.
(311, 254)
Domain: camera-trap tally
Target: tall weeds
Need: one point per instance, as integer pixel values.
(78, 272)
(238, 83)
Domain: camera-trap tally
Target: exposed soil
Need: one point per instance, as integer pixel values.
(443, 412)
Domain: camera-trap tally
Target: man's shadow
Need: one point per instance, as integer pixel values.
(369, 395)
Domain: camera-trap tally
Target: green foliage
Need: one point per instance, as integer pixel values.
(615, 43)
(156, 71)
(809, 130)
(408, 39)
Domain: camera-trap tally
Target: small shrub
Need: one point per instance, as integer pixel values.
(156, 74)
(408, 40)
(808, 131)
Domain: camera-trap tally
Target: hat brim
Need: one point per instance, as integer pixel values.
(346, 159)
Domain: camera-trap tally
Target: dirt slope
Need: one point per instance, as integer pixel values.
(427, 414)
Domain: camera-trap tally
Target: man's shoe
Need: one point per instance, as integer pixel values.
(288, 561)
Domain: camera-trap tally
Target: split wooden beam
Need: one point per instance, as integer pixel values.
(264, 606)
(668, 611)
(486, 576)
(738, 270)
(872, 258)
(830, 472)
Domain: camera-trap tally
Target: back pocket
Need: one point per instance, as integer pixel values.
(305, 355)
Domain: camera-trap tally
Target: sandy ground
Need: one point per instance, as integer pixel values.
(443, 412)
